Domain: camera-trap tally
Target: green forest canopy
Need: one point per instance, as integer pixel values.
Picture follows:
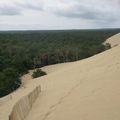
(24, 50)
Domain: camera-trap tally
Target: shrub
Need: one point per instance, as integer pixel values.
(38, 73)
(107, 46)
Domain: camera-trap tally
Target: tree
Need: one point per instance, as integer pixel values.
(9, 81)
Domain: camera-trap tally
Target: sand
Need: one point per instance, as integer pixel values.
(48, 69)
(84, 90)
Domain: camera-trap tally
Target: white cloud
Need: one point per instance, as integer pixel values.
(31, 4)
(68, 13)
(9, 10)
(16, 7)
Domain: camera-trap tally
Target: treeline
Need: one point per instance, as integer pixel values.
(24, 50)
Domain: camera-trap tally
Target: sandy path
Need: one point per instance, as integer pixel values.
(84, 90)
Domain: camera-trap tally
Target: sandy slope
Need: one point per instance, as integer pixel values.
(48, 69)
(114, 40)
(84, 90)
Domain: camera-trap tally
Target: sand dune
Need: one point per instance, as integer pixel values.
(84, 90)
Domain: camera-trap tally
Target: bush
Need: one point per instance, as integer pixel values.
(38, 73)
(107, 46)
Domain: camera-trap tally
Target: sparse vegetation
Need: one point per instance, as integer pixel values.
(107, 46)
(24, 50)
(38, 73)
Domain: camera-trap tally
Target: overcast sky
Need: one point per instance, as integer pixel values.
(59, 14)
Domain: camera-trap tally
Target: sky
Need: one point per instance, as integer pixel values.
(59, 14)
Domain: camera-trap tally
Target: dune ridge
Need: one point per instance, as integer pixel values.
(20, 102)
(83, 90)
(23, 106)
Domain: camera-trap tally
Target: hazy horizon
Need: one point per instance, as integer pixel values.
(55, 29)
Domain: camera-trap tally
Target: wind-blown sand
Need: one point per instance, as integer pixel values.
(84, 90)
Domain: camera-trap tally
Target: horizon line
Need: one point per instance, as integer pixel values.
(54, 29)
